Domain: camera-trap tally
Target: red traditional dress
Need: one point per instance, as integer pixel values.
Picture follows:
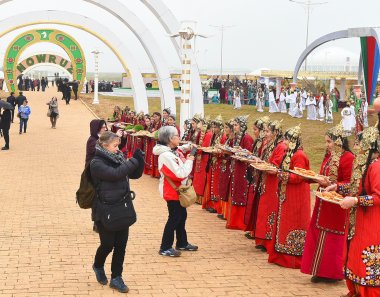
(325, 240)
(250, 215)
(216, 159)
(155, 172)
(268, 205)
(225, 179)
(293, 217)
(362, 268)
(201, 177)
(239, 188)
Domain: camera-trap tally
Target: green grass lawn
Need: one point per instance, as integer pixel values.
(312, 131)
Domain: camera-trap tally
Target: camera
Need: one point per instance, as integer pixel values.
(193, 151)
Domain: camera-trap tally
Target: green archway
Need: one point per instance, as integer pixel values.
(26, 39)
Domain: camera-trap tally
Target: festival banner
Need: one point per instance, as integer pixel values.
(371, 64)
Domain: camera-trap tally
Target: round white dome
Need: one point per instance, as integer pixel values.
(333, 59)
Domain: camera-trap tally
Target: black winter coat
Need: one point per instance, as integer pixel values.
(111, 179)
(5, 122)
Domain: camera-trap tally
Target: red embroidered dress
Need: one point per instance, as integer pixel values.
(200, 175)
(325, 239)
(225, 179)
(268, 206)
(293, 217)
(362, 268)
(239, 188)
(154, 164)
(216, 160)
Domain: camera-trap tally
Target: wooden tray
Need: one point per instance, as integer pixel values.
(320, 195)
(315, 177)
(263, 166)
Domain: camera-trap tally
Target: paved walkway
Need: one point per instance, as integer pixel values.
(47, 244)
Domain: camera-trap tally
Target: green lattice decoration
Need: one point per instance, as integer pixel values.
(26, 39)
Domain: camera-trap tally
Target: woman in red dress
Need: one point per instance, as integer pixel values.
(362, 266)
(239, 184)
(325, 240)
(225, 171)
(201, 161)
(165, 116)
(218, 138)
(148, 147)
(253, 176)
(156, 125)
(171, 122)
(273, 153)
(293, 215)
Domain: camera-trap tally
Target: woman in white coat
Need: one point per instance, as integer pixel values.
(260, 100)
(272, 102)
(311, 107)
(237, 101)
(321, 107)
(282, 104)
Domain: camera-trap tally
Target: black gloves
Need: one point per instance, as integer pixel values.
(139, 155)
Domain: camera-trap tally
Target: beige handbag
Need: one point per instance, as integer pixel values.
(186, 193)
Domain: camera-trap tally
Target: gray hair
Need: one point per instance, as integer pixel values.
(107, 137)
(165, 134)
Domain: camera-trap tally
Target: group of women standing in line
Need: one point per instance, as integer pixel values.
(273, 207)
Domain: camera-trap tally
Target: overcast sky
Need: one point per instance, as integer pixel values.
(268, 33)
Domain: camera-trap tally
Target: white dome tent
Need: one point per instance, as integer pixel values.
(333, 59)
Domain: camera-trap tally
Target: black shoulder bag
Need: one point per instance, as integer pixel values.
(119, 215)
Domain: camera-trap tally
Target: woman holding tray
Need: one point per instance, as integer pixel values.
(239, 185)
(253, 175)
(293, 214)
(225, 171)
(362, 260)
(267, 204)
(323, 253)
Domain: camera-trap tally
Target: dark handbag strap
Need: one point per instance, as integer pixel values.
(171, 182)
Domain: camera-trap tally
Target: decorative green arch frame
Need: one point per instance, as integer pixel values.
(26, 39)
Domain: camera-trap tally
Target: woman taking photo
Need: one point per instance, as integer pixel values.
(110, 173)
(363, 248)
(325, 240)
(53, 111)
(174, 169)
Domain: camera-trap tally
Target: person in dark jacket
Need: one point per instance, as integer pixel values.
(12, 100)
(20, 99)
(97, 127)
(5, 125)
(75, 89)
(110, 173)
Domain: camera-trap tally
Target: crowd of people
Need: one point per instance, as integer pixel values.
(272, 205)
(298, 103)
(33, 84)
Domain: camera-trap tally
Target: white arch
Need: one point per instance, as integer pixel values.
(30, 68)
(83, 23)
(148, 41)
(122, 13)
(171, 26)
(348, 33)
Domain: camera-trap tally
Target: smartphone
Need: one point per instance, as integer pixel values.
(193, 151)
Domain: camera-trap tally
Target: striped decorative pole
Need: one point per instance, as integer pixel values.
(185, 81)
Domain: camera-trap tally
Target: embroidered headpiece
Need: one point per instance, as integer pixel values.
(218, 121)
(261, 122)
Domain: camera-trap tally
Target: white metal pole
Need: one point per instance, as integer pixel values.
(96, 77)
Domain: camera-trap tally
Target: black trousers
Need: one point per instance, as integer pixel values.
(12, 114)
(176, 222)
(116, 241)
(6, 137)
